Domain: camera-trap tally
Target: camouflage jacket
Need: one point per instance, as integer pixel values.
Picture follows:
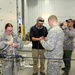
(6, 48)
(54, 43)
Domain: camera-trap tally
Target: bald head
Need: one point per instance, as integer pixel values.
(52, 20)
(53, 17)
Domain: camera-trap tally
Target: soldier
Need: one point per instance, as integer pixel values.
(9, 44)
(53, 44)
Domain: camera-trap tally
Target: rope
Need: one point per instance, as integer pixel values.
(20, 56)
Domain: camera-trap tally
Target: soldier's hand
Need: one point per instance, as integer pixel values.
(14, 45)
(45, 38)
(9, 43)
(40, 38)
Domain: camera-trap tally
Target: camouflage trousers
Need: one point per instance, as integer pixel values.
(53, 67)
(9, 67)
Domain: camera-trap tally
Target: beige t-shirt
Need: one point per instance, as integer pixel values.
(10, 38)
(10, 50)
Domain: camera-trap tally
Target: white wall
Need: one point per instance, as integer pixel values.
(8, 14)
(26, 16)
(63, 9)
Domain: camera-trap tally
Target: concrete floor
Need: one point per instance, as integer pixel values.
(26, 65)
(27, 70)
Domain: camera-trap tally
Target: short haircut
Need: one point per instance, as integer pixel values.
(8, 25)
(53, 17)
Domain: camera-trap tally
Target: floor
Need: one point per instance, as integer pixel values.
(26, 65)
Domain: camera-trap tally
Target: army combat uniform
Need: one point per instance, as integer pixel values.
(54, 50)
(9, 65)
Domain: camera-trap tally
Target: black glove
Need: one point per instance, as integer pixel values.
(2, 56)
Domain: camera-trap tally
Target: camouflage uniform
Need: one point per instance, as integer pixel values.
(54, 47)
(9, 66)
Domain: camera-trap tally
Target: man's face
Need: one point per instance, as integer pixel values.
(70, 24)
(9, 30)
(39, 24)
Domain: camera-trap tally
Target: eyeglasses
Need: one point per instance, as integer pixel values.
(9, 30)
